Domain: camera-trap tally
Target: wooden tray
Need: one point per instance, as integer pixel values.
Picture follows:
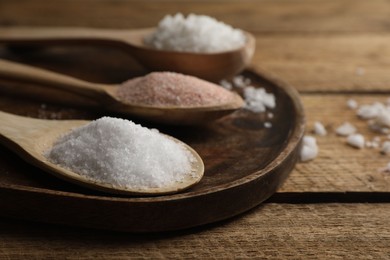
(245, 163)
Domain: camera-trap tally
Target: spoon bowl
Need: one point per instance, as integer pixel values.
(30, 138)
(106, 96)
(209, 66)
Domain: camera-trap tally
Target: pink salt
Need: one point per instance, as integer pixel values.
(172, 89)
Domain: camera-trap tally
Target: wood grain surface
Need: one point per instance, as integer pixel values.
(275, 231)
(330, 51)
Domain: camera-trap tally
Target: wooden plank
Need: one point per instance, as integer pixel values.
(327, 63)
(259, 15)
(329, 60)
(311, 63)
(277, 231)
(339, 167)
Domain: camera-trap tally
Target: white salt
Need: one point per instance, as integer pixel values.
(374, 143)
(309, 149)
(352, 104)
(377, 128)
(383, 118)
(385, 149)
(195, 33)
(226, 84)
(258, 100)
(380, 122)
(267, 124)
(240, 82)
(319, 129)
(123, 154)
(370, 111)
(356, 140)
(346, 129)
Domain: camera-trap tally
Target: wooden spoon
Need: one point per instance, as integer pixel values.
(30, 138)
(107, 96)
(213, 67)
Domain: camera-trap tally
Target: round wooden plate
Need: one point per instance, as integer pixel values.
(245, 163)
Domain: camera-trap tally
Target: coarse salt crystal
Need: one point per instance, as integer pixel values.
(385, 149)
(383, 118)
(226, 84)
(267, 124)
(346, 129)
(118, 152)
(240, 82)
(356, 140)
(370, 111)
(381, 123)
(352, 104)
(319, 129)
(309, 149)
(195, 33)
(258, 100)
(374, 143)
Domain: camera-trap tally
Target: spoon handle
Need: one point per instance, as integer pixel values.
(23, 134)
(62, 35)
(24, 75)
(15, 127)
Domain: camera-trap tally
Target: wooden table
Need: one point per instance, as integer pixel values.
(334, 207)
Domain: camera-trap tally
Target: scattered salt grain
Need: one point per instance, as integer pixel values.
(370, 111)
(123, 154)
(319, 129)
(381, 121)
(383, 118)
(172, 89)
(352, 104)
(309, 149)
(356, 140)
(385, 149)
(374, 143)
(195, 33)
(258, 100)
(267, 124)
(226, 84)
(240, 82)
(346, 129)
